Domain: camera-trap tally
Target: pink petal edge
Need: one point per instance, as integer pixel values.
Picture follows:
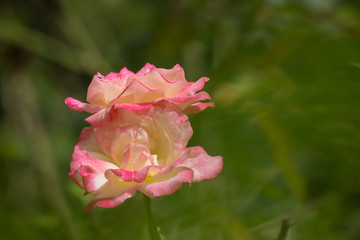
(78, 106)
(168, 186)
(113, 201)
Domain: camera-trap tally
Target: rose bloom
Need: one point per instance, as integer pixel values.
(149, 85)
(141, 150)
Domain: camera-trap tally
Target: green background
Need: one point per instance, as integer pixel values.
(285, 81)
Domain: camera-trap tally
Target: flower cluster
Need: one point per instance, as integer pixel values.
(138, 135)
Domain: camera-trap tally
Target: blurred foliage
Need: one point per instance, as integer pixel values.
(285, 80)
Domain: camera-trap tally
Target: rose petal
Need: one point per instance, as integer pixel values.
(145, 69)
(173, 131)
(89, 144)
(88, 172)
(198, 107)
(120, 140)
(102, 91)
(135, 156)
(203, 165)
(113, 194)
(201, 96)
(189, 104)
(137, 92)
(138, 175)
(196, 159)
(124, 74)
(102, 117)
(155, 80)
(78, 106)
(110, 76)
(193, 87)
(167, 185)
(175, 74)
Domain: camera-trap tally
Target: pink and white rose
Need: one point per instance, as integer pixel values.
(147, 86)
(139, 150)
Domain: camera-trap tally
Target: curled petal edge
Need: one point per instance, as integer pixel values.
(198, 107)
(79, 106)
(193, 165)
(110, 202)
(168, 186)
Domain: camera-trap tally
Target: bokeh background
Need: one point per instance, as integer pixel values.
(285, 80)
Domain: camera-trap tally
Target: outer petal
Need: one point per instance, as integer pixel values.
(196, 159)
(203, 165)
(88, 143)
(175, 74)
(78, 106)
(193, 87)
(194, 164)
(114, 193)
(197, 107)
(89, 162)
(110, 76)
(145, 69)
(102, 91)
(198, 85)
(125, 74)
(104, 117)
(192, 98)
(88, 172)
(137, 92)
(169, 184)
(192, 104)
(155, 80)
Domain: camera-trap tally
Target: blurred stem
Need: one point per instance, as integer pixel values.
(153, 230)
(286, 224)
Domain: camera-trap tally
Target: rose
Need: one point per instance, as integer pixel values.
(141, 150)
(149, 85)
